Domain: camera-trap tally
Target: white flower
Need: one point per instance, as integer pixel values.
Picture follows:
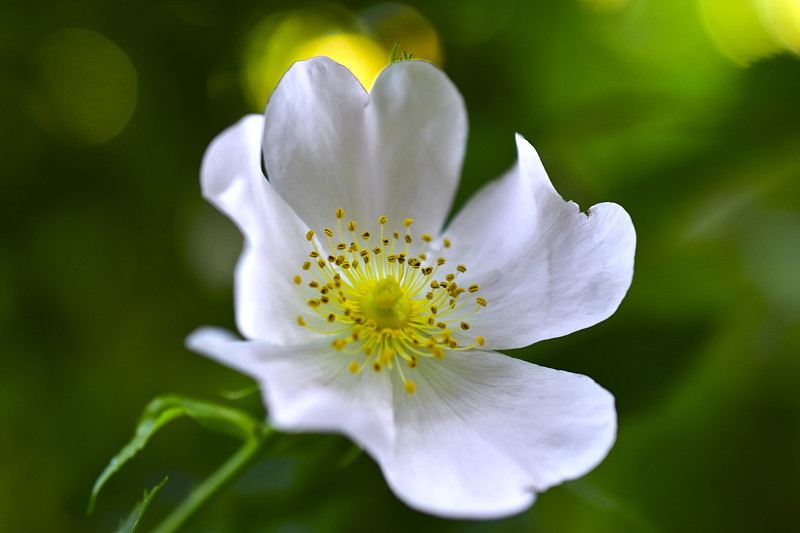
(353, 325)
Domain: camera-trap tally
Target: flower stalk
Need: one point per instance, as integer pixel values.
(224, 475)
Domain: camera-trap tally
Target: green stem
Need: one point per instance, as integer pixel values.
(226, 473)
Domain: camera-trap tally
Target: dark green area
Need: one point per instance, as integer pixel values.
(109, 258)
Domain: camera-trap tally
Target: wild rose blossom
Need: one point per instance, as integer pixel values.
(362, 315)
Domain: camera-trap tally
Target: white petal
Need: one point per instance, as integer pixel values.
(396, 152)
(484, 432)
(309, 388)
(545, 268)
(267, 302)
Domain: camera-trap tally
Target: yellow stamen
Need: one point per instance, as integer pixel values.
(383, 302)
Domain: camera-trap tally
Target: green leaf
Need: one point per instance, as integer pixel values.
(164, 409)
(393, 54)
(241, 393)
(130, 523)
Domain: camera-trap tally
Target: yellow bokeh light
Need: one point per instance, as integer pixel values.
(747, 30)
(394, 23)
(783, 18)
(362, 43)
(363, 56)
(86, 87)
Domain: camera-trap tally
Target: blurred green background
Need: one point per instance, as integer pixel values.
(685, 112)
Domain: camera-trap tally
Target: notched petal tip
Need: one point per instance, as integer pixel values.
(395, 151)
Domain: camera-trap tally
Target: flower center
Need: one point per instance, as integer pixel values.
(384, 306)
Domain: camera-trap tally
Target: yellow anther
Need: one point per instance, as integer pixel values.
(480, 340)
(480, 300)
(382, 309)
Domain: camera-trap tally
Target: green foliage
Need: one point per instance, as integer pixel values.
(404, 56)
(160, 411)
(130, 524)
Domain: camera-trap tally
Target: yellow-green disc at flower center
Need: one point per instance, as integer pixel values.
(386, 304)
